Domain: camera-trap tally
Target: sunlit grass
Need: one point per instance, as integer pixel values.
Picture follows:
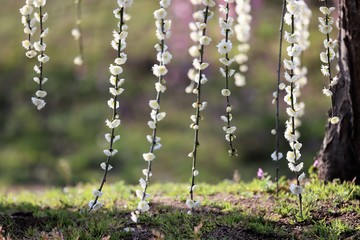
(328, 211)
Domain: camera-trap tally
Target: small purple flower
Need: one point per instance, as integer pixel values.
(260, 173)
(316, 163)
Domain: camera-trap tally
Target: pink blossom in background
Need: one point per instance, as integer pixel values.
(260, 173)
(316, 163)
(181, 12)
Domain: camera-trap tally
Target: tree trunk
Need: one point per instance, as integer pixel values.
(339, 156)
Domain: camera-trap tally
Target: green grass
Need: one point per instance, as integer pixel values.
(251, 210)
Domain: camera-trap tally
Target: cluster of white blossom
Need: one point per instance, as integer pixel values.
(294, 109)
(119, 44)
(243, 33)
(300, 36)
(327, 56)
(77, 34)
(201, 18)
(37, 48)
(224, 47)
(194, 50)
(163, 32)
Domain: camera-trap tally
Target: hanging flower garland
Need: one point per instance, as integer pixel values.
(119, 44)
(294, 109)
(164, 57)
(243, 33)
(224, 47)
(326, 57)
(194, 52)
(77, 34)
(37, 48)
(201, 19)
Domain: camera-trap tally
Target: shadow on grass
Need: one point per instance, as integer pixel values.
(27, 221)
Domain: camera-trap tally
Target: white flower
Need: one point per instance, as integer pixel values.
(30, 54)
(224, 46)
(279, 156)
(146, 172)
(39, 47)
(230, 130)
(192, 204)
(295, 189)
(148, 156)
(196, 172)
(143, 206)
(95, 206)
(159, 87)
(160, 14)
(290, 65)
(205, 40)
(142, 183)
(134, 217)
(334, 120)
(113, 124)
(108, 137)
(293, 7)
(121, 60)
(239, 80)
(327, 92)
(75, 32)
(325, 29)
(103, 166)
(116, 92)
(327, 11)
(325, 70)
(165, 57)
(26, 10)
(160, 116)
(39, 3)
(225, 92)
(159, 70)
(295, 168)
(165, 3)
(294, 51)
(292, 78)
(96, 193)
(199, 66)
(41, 94)
(151, 124)
(115, 70)
(124, 3)
(43, 58)
(154, 104)
(78, 60)
(301, 177)
(209, 3)
(38, 102)
(110, 152)
(113, 104)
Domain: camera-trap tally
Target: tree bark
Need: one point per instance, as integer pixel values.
(339, 156)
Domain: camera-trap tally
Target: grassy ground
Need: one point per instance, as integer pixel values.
(229, 211)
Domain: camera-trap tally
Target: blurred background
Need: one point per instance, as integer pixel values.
(63, 143)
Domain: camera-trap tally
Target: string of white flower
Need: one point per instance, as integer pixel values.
(243, 34)
(195, 34)
(201, 19)
(164, 57)
(37, 48)
(294, 109)
(329, 54)
(224, 47)
(119, 44)
(29, 28)
(77, 34)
